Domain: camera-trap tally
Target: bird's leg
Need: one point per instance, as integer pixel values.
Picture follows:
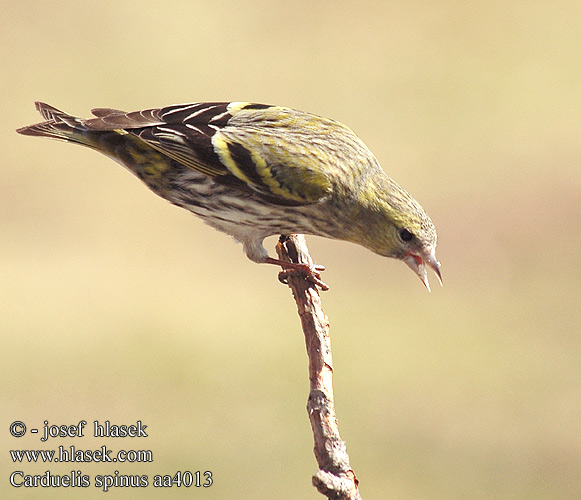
(311, 273)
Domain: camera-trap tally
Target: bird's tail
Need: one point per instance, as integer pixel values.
(59, 125)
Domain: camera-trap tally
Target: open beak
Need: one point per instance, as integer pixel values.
(417, 263)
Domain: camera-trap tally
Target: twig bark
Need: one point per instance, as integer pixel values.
(335, 479)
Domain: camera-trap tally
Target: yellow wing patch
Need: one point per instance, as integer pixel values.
(282, 175)
(226, 157)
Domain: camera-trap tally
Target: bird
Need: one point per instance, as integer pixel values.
(256, 170)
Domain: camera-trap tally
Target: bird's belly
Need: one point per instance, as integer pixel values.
(238, 213)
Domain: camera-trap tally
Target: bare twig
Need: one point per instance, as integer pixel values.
(335, 479)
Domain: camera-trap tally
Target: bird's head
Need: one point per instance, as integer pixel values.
(415, 244)
(397, 226)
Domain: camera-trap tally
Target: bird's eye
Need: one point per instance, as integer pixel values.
(405, 234)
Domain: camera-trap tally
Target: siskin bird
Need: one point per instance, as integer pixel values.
(254, 170)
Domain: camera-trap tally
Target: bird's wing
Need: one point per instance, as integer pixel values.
(265, 148)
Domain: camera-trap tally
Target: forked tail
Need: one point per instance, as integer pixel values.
(58, 125)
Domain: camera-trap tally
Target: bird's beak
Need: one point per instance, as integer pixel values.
(417, 264)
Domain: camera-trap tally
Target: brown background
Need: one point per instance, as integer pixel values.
(116, 305)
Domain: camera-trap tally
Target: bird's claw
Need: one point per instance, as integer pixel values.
(310, 273)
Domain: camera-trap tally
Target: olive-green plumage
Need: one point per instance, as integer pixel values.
(253, 170)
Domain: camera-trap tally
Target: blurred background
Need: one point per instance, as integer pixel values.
(118, 306)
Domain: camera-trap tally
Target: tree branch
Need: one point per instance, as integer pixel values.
(335, 479)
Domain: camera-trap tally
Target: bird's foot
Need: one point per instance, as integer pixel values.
(310, 273)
